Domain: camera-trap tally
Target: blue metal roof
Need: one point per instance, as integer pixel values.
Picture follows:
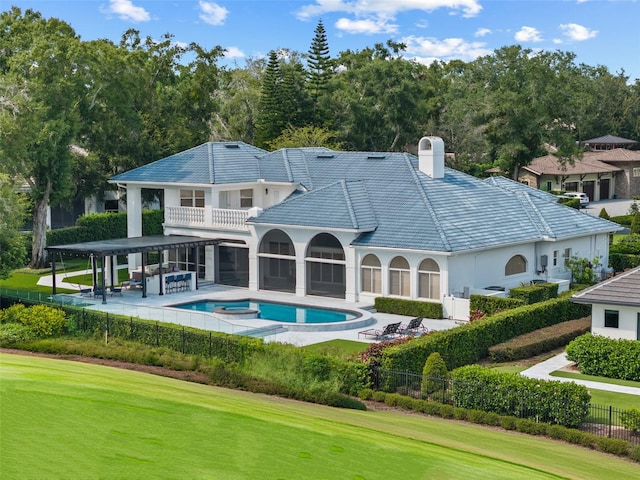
(383, 195)
(211, 162)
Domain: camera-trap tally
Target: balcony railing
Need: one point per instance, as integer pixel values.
(206, 217)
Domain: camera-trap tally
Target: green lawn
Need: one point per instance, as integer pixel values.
(28, 282)
(602, 397)
(63, 419)
(338, 348)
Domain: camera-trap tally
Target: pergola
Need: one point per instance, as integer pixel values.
(124, 246)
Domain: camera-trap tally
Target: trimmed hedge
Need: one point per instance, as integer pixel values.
(411, 308)
(621, 261)
(606, 357)
(492, 305)
(470, 343)
(550, 401)
(521, 425)
(104, 226)
(535, 293)
(539, 341)
(629, 244)
(624, 220)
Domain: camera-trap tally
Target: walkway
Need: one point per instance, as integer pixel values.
(544, 369)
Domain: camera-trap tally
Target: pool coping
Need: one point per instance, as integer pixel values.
(363, 318)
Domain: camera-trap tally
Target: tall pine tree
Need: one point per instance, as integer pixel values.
(320, 69)
(270, 120)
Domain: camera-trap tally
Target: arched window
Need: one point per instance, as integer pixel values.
(399, 277)
(325, 265)
(276, 257)
(516, 264)
(371, 274)
(429, 279)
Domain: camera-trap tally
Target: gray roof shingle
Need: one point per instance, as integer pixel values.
(623, 289)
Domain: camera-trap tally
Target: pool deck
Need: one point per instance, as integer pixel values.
(159, 307)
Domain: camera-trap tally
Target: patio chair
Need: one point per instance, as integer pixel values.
(115, 291)
(414, 327)
(388, 331)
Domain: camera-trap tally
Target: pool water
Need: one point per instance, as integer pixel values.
(279, 312)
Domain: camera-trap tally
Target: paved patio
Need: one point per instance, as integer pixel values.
(160, 307)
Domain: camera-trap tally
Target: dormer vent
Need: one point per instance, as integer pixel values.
(326, 155)
(376, 157)
(231, 145)
(431, 156)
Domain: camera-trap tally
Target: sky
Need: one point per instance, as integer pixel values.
(599, 32)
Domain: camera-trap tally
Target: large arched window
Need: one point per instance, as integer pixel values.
(325, 262)
(276, 257)
(399, 277)
(516, 264)
(371, 274)
(429, 279)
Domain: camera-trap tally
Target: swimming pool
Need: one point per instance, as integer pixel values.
(279, 312)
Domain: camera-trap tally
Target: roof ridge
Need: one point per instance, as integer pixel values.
(287, 166)
(352, 213)
(306, 167)
(212, 174)
(533, 208)
(425, 199)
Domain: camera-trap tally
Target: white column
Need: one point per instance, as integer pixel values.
(253, 267)
(134, 222)
(352, 275)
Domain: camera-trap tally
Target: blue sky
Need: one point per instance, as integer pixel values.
(598, 32)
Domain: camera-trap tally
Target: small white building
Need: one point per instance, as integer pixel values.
(615, 306)
(359, 225)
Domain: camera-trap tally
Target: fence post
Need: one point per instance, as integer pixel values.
(106, 331)
(610, 419)
(183, 340)
(210, 344)
(157, 335)
(444, 390)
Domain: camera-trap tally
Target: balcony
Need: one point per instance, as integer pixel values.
(207, 217)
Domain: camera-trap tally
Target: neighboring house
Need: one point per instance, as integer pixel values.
(358, 225)
(610, 169)
(615, 306)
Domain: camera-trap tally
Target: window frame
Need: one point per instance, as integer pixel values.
(611, 318)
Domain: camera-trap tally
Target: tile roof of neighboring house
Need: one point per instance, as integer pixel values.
(610, 140)
(623, 289)
(551, 165)
(383, 195)
(211, 162)
(614, 156)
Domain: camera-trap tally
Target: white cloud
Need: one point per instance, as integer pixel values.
(212, 13)
(233, 52)
(528, 34)
(427, 50)
(126, 10)
(577, 33)
(366, 26)
(469, 8)
(482, 32)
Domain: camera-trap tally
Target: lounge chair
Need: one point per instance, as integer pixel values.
(414, 327)
(388, 331)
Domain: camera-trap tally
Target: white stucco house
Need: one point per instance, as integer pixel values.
(615, 306)
(358, 225)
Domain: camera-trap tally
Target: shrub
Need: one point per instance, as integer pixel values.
(492, 305)
(12, 334)
(480, 388)
(606, 357)
(434, 374)
(603, 214)
(539, 341)
(12, 314)
(411, 308)
(535, 293)
(614, 446)
(634, 454)
(622, 261)
(635, 224)
(630, 420)
(629, 244)
(623, 220)
(44, 321)
(469, 343)
(366, 394)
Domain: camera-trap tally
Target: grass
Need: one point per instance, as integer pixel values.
(28, 282)
(624, 401)
(338, 348)
(101, 422)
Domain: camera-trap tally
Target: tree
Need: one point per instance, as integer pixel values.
(308, 136)
(13, 253)
(434, 374)
(635, 224)
(320, 70)
(41, 57)
(380, 101)
(270, 121)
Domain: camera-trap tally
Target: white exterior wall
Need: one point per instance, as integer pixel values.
(627, 322)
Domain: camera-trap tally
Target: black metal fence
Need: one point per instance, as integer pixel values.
(604, 421)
